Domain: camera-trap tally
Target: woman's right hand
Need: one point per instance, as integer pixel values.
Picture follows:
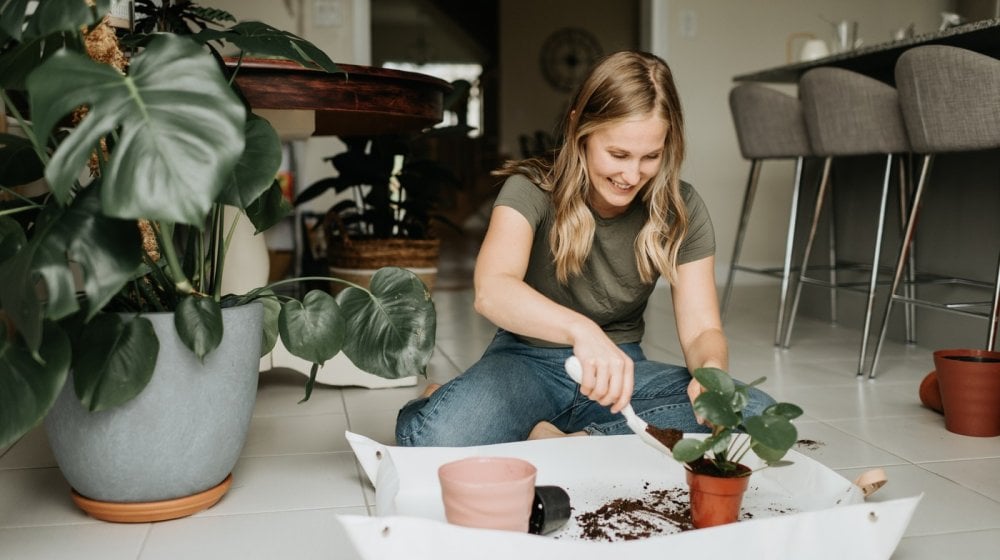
(608, 373)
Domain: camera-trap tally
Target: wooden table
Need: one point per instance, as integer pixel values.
(878, 61)
(360, 100)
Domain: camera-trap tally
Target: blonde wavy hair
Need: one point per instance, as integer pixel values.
(621, 86)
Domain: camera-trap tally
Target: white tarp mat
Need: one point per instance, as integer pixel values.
(804, 510)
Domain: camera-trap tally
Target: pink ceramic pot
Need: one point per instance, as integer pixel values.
(488, 492)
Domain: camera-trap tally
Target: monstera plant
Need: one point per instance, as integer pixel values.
(169, 143)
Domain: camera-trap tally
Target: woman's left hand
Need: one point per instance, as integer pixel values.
(694, 389)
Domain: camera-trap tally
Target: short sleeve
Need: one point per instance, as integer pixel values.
(700, 240)
(519, 193)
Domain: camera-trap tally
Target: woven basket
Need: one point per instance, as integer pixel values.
(356, 260)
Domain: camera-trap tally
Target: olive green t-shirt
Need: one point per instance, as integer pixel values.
(609, 291)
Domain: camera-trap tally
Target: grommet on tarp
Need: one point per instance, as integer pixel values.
(550, 510)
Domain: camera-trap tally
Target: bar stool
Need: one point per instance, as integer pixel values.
(769, 126)
(950, 98)
(847, 113)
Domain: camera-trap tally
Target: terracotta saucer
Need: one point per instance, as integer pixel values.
(145, 512)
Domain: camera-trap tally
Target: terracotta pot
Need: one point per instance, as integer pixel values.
(970, 390)
(930, 392)
(716, 500)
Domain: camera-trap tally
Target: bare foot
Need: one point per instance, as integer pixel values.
(430, 390)
(545, 430)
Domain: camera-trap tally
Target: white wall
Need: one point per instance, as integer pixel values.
(527, 102)
(710, 41)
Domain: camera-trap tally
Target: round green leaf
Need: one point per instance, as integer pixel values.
(788, 410)
(716, 408)
(775, 435)
(687, 450)
(312, 329)
(113, 360)
(272, 309)
(715, 380)
(28, 387)
(199, 324)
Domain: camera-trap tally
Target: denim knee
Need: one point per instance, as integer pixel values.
(758, 401)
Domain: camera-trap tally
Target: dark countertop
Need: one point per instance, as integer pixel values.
(878, 61)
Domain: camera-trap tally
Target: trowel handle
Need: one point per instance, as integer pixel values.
(574, 369)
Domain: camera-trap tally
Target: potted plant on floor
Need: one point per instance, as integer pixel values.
(112, 278)
(389, 197)
(715, 474)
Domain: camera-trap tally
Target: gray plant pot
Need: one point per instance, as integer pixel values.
(182, 435)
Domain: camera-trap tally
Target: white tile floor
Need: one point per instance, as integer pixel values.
(297, 471)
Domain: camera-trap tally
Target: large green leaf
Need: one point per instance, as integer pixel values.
(54, 16)
(312, 329)
(17, 62)
(257, 167)
(12, 19)
(180, 128)
(269, 208)
(260, 39)
(29, 387)
(199, 324)
(108, 252)
(113, 360)
(391, 331)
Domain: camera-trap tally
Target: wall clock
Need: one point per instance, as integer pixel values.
(567, 55)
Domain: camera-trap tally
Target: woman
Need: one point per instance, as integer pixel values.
(571, 255)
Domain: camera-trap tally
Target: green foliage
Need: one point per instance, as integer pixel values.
(393, 191)
(770, 435)
(180, 146)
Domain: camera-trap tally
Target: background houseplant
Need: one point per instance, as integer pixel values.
(770, 435)
(391, 194)
(178, 144)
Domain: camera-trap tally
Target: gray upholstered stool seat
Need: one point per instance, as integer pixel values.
(848, 114)
(950, 99)
(769, 126)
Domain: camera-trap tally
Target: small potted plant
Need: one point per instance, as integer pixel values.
(112, 278)
(715, 474)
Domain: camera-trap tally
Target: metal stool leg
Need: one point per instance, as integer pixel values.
(873, 282)
(748, 197)
(994, 318)
(786, 272)
(904, 250)
(833, 255)
(820, 196)
(909, 313)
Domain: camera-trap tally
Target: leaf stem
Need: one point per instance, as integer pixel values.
(181, 282)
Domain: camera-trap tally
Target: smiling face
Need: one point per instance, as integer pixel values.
(621, 159)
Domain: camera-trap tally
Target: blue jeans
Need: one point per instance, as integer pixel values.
(515, 385)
